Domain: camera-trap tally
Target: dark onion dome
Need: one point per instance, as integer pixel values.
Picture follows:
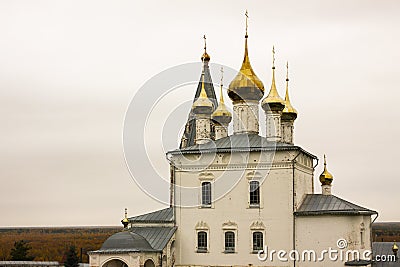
(246, 85)
(325, 178)
(126, 240)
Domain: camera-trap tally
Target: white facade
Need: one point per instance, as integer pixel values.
(243, 193)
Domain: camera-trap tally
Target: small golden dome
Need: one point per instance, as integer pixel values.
(125, 220)
(222, 114)
(205, 57)
(203, 104)
(325, 178)
(395, 248)
(289, 111)
(273, 100)
(246, 85)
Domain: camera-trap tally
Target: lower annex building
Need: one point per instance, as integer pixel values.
(233, 195)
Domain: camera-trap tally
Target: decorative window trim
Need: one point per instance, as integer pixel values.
(257, 226)
(229, 226)
(202, 227)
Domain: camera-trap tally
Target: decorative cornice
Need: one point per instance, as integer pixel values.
(229, 225)
(257, 225)
(202, 226)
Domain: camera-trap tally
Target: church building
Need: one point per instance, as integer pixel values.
(236, 194)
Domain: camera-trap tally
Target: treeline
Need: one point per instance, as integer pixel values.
(51, 244)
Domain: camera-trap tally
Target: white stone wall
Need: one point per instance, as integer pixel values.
(322, 232)
(203, 130)
(232, 211)
(287, 135)
(116, 260)
(245, 117)
(273, 124)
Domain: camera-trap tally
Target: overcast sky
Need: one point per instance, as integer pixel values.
(69, 69)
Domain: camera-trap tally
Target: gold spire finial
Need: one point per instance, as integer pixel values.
(222, 114)
(289, 111)
(325, 178)
(247, 25)
(273, 99)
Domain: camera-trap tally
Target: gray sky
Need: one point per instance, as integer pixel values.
(68, 70)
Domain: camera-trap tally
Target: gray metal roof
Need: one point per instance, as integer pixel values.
(127, 240)
(239, 143)
(317, 204)
(383, 249)
(158, 237)
(160, 216)
(139, 239)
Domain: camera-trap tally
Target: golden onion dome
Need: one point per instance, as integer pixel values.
(125, 220)
(325, 178)
(205, 56)
(203, 104)
(273, 100)
(246, 85)
(222, 114)
(395, 248)
(289, 111)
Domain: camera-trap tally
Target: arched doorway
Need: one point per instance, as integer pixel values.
(149, 263)
(114, 263)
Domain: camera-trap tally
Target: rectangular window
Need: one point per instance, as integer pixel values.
(206, 193)
(254, 193)
(202, 241)
(229, 242)
(258, 241)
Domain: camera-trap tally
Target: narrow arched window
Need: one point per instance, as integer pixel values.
(229, 242)
(206, 193)
(254, 193)
(201, 241)
(258, 241)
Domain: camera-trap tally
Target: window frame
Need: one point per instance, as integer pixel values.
(206, 193)
(202, 249)
(256, 249)
(203, 178)
(233, 240)
(254, 193)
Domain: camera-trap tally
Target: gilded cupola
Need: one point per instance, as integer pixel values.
(246, 85)
(289, 112)
(273, 100)
(325, 178)
(222, 115)
(125, 220)
(203, 104)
